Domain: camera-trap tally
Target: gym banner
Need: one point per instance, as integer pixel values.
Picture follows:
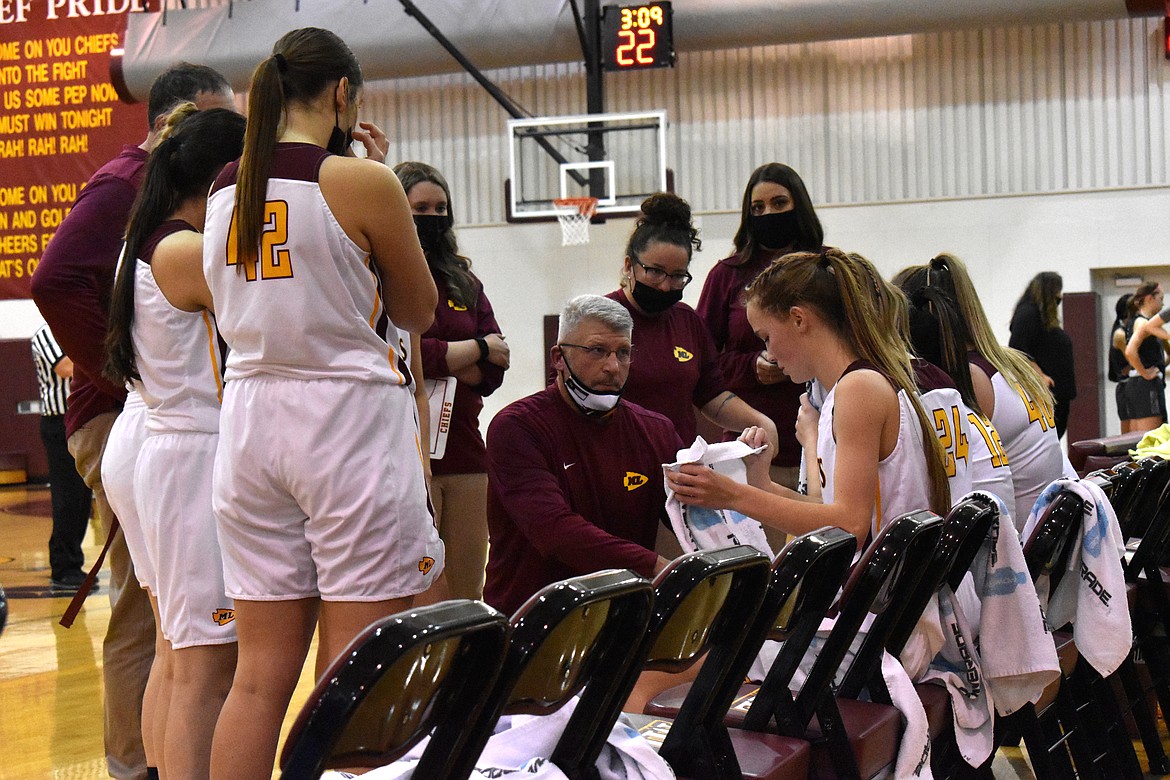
(61, 118)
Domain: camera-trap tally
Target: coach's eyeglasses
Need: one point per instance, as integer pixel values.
(598, 354)
(655, 275)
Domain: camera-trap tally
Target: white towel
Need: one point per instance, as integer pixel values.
(711, 529)
(520, 744)
(1015, 647)
(957, 666)
(1091, 594)
(914, 751)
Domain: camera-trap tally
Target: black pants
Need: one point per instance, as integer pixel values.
(72, 500)
(1060, 412)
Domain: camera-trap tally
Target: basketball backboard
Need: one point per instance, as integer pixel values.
(619, 159)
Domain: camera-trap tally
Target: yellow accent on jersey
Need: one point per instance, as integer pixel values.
(455, 306)
(681, 355)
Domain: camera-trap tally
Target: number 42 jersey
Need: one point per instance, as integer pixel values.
(311, 305)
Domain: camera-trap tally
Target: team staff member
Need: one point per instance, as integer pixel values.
(72, 500)
(574, 471)
(71, 287)
(466, 345)
(316, 272)
(777, 218)
(677, 367)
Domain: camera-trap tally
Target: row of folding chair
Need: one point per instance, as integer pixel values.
(451, 671)
(1079, 727)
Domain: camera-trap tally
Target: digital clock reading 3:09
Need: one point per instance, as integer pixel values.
(637, 36)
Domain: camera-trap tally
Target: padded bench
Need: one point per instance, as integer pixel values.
(1090, 455)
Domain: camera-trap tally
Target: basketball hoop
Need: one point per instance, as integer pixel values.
(574, 215)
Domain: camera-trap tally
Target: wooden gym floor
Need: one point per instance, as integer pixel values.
(50, 677)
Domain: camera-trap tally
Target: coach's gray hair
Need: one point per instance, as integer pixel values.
(594, 307)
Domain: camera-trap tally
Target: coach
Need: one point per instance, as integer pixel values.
(574, 472)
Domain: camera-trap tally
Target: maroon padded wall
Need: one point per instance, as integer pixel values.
(1080, 319)
(20, 433)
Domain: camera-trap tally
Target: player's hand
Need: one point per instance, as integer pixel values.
(376, 143)
(499, 352)
(759, 464)
(702, 486)
(808, 420)
(767, 372)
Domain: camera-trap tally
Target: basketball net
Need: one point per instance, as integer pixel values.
(574, 215)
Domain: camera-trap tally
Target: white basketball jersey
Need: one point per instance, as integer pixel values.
(946, 411)
(311, 306)
(903, 483)
(1027, 429)
(177, 352)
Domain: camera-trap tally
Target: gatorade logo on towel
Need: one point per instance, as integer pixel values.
(681, 355)
(634, 480)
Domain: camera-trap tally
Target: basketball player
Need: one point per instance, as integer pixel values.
(818, 319)
(162, 335)
(1009, 391)
(317, 275)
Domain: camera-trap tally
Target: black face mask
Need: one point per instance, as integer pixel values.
(431, 229)
(652, 300)
(339, 140)
(774, 231)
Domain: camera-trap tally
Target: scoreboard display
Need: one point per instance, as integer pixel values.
(634, 37)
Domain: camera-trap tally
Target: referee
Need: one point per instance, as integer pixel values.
(71, 498)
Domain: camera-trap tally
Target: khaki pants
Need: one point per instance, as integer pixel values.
(128, 649)
(460, 502)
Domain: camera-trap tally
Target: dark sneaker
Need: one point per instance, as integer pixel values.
(68, 583)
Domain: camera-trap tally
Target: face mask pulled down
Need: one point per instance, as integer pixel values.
(593, 403)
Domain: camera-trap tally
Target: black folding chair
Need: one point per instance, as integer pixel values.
(1078, 716)
(965, 529)
(572, 637)
(801, 586)
(851, 738)
(422, 672)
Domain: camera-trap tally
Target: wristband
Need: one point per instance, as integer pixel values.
(483, 347)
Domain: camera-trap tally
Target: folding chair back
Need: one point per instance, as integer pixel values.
(964, 531)
(572, 637)
(426, 671)
(900, 598)
(702, 603)
(878, 579)
(1136, 509)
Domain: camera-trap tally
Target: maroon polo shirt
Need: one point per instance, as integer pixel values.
(465, 453)
(569, 495)
(74, 280)
(721, 307)
(675, 365)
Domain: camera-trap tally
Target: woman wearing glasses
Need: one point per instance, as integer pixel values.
(675, 366)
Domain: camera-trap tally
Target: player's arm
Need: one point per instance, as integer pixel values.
(863, 408)
(1140, 332)
(178, 271)
(368, 201)
(984, 391)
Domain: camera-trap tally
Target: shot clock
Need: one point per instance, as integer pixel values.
(637, 36)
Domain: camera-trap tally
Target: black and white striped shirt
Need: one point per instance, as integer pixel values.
(47, 354)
